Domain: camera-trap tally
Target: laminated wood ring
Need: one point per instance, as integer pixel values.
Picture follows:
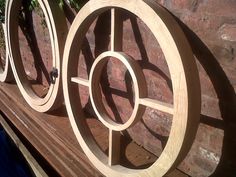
(95, 95)
(57, 27)
(5, 71)
(185, 82)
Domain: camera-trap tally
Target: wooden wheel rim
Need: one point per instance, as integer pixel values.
(95, 96)
(185, 81)
(5, 70)
(57, 33)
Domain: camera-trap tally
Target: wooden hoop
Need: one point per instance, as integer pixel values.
(95, 95)
(6, 72)
(56, 24)
(185, 82)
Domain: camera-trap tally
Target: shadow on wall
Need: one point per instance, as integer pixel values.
(27, 26)
(227, 103)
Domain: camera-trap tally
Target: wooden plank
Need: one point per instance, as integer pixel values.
(35, 167)
(50, 134)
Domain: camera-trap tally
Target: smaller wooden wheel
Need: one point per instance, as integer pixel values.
(5, 69)
(57, 27)
(95, 95)
(185, 82)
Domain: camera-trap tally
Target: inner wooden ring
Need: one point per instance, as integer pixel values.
(96, 96)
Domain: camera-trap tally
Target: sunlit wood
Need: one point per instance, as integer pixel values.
(114, 148)
(164, 107)
(116, 30)
(6, 74)
(80, 81)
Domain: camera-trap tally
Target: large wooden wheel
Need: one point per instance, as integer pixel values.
(185, 82)
(57, 27)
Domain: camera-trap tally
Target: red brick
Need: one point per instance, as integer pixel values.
(228, 32)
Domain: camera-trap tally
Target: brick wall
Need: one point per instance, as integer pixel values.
(210, 26)
(35, 46)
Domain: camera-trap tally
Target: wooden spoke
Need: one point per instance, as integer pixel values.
(116, 30)
(164, 107)
(114, 147)
(80, 81)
